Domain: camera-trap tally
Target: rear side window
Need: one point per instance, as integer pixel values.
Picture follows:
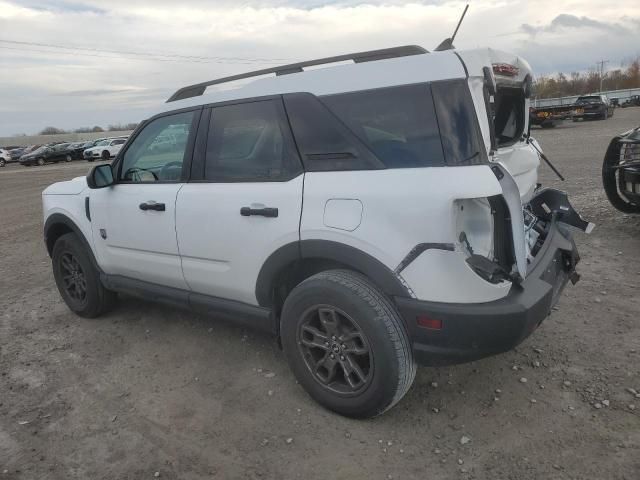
(324, 142)
(398, 124)
(459, 129)
(250, 142)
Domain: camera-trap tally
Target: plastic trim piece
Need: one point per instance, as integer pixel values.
(418, 249)
(380, 274)
(239, 313)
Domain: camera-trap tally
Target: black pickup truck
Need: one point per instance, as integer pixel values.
(592, 106)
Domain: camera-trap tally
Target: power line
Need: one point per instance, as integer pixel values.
(82, 54)
(151, 55)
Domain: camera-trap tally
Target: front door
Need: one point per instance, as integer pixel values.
(247, 202)
(133, 221)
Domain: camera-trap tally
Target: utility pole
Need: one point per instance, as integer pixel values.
(601, 65)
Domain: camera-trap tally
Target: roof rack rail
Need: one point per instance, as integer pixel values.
(361, 57)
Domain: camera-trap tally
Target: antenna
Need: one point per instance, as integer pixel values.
(447, 43)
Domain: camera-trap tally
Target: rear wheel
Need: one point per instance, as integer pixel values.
(77, 278)
(346, 344)
(68, 158)
(106, 155)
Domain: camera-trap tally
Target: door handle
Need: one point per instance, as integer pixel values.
(263, 212)
(151, 205)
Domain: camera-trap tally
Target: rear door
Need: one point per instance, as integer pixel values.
(244, 200)
(133, 221)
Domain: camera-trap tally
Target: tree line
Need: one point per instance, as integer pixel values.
(111, 128)
(581, 83)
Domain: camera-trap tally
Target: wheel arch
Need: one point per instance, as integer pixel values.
(294, 262)
(59, 224)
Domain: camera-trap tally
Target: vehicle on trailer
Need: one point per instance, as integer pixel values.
(592, 106)
(551, 116)
(50, 153)
(632, 101)
(104, 149)
(424, 238)
(621, 171)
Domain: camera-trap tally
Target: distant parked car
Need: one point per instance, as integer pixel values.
(5, 157)
(105, 149)
(47, 154)
(16, 153)
(632, 101)
(593, 106)
(77, 150)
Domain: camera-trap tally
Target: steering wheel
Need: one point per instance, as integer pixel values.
(134, 172)
(164, 170)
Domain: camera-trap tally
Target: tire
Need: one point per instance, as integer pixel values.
(3, 162)
(106, 155)
(610, 184)
(40, 161)
(68, 158)
(369, 334)
(88, 297)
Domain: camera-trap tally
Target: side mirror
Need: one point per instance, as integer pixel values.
(100, 176)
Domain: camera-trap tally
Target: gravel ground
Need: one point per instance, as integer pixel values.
(149, 392)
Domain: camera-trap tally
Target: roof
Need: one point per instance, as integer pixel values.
(336, 79)
(369, 70)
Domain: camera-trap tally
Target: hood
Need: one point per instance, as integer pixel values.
(70, 187)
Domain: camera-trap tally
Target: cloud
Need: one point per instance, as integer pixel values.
(565, 21)
(123, 58)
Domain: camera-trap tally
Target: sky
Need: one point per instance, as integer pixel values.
(78, 63)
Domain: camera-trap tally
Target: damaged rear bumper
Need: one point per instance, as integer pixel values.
(471, 331)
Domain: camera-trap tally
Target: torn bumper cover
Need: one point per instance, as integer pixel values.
(471, 331)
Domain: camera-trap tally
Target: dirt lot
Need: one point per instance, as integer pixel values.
(148, 389)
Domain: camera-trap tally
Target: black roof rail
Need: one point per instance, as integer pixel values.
(361, 57)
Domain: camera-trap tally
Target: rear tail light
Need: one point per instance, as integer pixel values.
(428, 322)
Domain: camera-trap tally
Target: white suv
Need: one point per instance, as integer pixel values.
(371, 215)
(105, 149)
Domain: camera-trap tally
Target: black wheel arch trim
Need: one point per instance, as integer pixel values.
(61, 219)
(384, 277)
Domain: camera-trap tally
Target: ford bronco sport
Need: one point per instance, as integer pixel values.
(372, 215)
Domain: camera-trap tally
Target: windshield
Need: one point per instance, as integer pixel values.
(103, 143)
(589, 99)
(40, 149)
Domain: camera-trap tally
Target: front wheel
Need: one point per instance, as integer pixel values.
(346, 344)
(68, 158)
(77, 278)
(3, 162)
(40, 161)
(105, 155)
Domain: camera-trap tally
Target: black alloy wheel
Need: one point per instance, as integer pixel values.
(335, 350)
(73, 277)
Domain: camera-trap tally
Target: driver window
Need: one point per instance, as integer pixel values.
(157, 153)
